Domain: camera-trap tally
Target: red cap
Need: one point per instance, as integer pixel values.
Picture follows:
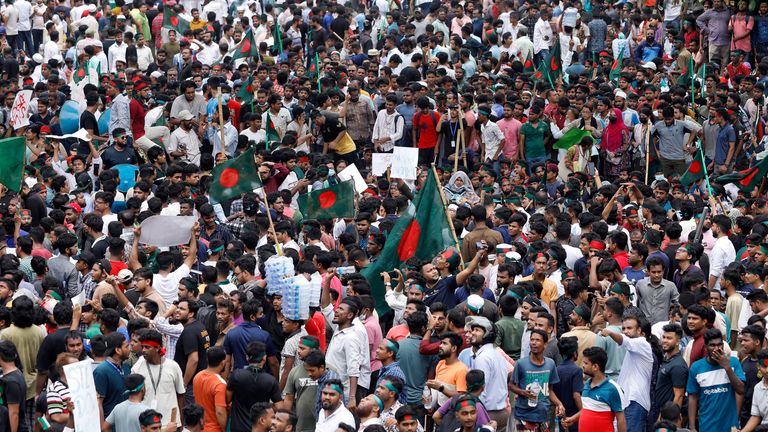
(76, 207)
(141, 85)
(45, 129)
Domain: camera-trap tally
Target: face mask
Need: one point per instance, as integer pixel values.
(331, 172)
(659, 177)
(613, 119)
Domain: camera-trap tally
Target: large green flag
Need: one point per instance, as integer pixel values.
(246, 91)
(273, 136)
(12, 163)
(235, 177)
(422, 231)
(335, 201)
(246, 48)
(571, 138)
(555, 62)
(747, 179)
(696, 170)
(172, 21)
(615, 73)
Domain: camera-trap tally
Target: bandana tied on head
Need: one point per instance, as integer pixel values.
(309, 343)
(389, 386)
(335, 387)
(597, 244)
(464, 403)
(379, 402)
(584, 313)
(391, 345)
(134, 391)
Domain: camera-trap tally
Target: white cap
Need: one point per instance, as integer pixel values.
(649, 65)
(620, 94)
(37, 58)
(184, 115)
(121, 17)
(124, 275)
(475, 303)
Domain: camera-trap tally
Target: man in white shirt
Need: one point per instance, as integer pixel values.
(25, 26)
(491, 136)
(116, 51)
(11, 18)
(543, 37)
(51, 48)
(184, 144)
(723, 252)
(389, 126)
(144, 53)
(277, 114)
(348, 350)
(209, 51)
(334, 412)
(254, 132)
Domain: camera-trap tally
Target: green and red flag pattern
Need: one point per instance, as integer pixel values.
(615, 72)
(747, 179)
(235, 177)
(12, 163)
(273, 136)
(246, 48)
(528, 64)
(173, 21)
(696, 170)
(246, 91)
(335, 201)
(422, 231)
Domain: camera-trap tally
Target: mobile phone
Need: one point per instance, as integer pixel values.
(393, 274)
(480, 245)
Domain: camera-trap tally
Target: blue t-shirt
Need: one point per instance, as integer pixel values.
(725, 136)
(237, 340)
(717, 399)
(528, 376)
(634, 275)
(110, 384)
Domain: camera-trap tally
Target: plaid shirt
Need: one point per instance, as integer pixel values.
(329, 374)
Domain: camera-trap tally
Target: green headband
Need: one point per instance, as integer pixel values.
(335, 387)
(135, 390)
(618, 290)
(214, 250)
(483, 112)
(54, 294)
(392, 347)
(475, 386)
(417, 286)
(464, 403)
(151, 420)
(390, 386)
(515, 295)
(764, 249)
(309, 343)
(379, 402)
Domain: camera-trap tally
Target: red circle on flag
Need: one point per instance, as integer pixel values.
(553, 64)
(175, 21)
(409, 241)
(538, 75)
(527, 64)
(81, 72)
(246, 46)
(695, 167)
(327, 199)
(249, 89)
(229, 177)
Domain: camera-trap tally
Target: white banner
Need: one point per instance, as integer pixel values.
(82, 391)
(380, 163)
(20, 110)
(167, 231)
(404, 162)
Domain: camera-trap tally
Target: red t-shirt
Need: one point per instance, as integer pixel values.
(427, 129)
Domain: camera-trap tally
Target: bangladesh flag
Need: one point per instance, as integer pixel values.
(528, 64)
(422, 231)
(696, 170)
(542, 73)
(246, 48)
(273, 136)
(235, 177)
(12, 163)
(747, 179)
(571, 138)
(555, 65)
(335, 201)
(172, 21)
(615, 73)
(246, 90)
(81, 72)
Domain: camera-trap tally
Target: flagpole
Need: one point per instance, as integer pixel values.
(317, 72)
(693, 82)
(221, 124)
(706, 172)
(647, 150)
(269, 217)
(445, 210)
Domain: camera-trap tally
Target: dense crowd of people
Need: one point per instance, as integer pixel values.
(601, 168)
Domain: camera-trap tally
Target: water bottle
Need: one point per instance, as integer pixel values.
(535, 388)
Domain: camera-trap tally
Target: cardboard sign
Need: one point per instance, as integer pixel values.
(351, 172)
(404, 163)
(381, 161)
(167, 231)
(82, 391)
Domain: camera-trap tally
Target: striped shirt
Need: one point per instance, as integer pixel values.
(599, 405)
(57, 395)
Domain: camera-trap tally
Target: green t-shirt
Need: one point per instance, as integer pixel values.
(304, 391)
(534, 139)
(93, 330)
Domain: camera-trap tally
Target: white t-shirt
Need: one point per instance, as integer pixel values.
(161, 393)
(168, 286)
(11, 15)
(25, 14)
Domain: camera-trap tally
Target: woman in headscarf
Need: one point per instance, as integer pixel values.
(459, 190)
(614, 144)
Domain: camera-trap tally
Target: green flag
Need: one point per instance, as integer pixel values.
(555, 63)
(331, 202)
(615, 73)
(246, 48)
(422, 231)
(246, 90)
(172, 21)
(528, 66)
(12, 163)
(696, 170)
(747, 179)
(81, 72)
(571, 138)
(234, 177)
(272, 135)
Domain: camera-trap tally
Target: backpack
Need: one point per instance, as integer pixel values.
(418, 124)
(207, 316)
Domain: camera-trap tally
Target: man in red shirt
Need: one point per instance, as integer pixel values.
(737, 67)
(425, 122)
(617, 246)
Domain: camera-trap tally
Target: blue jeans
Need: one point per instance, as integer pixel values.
(636, 416)
(534, 161)
(25, 42)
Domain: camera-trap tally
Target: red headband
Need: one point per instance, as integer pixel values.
(597, 244)
(151, 343)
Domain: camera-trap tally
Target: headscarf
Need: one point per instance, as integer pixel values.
(456, 193)
(613, 133)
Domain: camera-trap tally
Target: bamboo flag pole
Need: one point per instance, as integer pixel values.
(463, 141)
(647, 150)
(447, 216)
(221, 125)
(269, 217)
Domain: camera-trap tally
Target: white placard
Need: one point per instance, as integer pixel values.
(351, 172)
(81, 134)
(381, 161)
(20, 110)
(404, 162)
(166, 231)
(82, 391)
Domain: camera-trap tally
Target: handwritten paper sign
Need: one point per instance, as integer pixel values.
(82, 391)
(351, 172)
(20, 110)
(404, 162)
(381, 161)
